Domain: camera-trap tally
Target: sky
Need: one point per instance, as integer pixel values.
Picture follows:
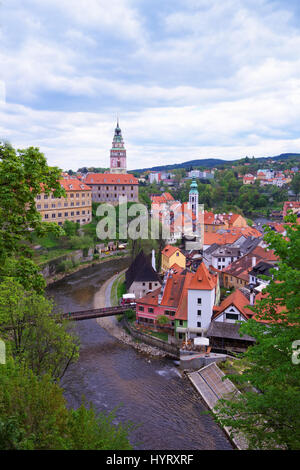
(188, 79)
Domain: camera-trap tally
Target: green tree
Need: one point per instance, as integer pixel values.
(269, 414)
(24, 174)
(35, 335)
(295, 184)
(71, 228)
(34, 415)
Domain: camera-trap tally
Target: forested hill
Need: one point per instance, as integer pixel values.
(215, 162)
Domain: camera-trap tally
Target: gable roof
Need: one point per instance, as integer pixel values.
(169, 250)
(202, 279)
(236, 299)
(140, 270)
(241, 267)
(110, 178)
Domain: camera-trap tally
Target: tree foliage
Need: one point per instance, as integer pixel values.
(24, 174)
(34, 416)
(35, 335)
(269, 415)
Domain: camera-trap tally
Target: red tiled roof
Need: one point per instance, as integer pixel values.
(151, 298)
(290, 205)
(162, 199)
(173, 290)
(202, 279)
(73, 185)
(241, 267)
(110, 178)
(169, 250)
(181, 312)
(237, 299)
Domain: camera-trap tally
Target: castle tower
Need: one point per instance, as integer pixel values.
(194, 199)
(118, 153)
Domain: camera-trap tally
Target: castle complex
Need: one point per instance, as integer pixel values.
(109, 187)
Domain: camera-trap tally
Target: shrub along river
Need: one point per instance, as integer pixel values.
(149, 392)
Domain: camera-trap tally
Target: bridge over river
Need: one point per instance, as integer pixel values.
(95, 313)
(152, 393)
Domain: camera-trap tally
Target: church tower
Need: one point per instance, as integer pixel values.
(194, 199)
(118, 153)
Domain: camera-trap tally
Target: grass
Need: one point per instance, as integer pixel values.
(117, 289)
(158, 334)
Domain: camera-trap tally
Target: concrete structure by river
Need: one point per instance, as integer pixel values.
(151, 392)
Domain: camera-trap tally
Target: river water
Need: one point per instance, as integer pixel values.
(149, 392)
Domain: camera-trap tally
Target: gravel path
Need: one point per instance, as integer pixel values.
(111, 324)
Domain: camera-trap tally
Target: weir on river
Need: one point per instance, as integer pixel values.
(148, 392)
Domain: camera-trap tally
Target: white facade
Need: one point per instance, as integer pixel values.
(200, 308)
(230, 315)
(221, 262)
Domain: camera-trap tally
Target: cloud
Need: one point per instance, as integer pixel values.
(190, 78)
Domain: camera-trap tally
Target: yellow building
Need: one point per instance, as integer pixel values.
(75, 207)
(172, 255)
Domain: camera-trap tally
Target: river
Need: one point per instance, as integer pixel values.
(149, 392)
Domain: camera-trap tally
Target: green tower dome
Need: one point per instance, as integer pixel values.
(194, 188)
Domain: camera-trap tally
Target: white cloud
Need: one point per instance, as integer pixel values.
(209, 79)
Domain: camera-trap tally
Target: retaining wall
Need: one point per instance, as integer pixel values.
(151, 340)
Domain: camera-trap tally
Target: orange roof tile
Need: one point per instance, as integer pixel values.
(202, 279)
(169, 250)
(238, 300)
(73, 185)
(110, 178)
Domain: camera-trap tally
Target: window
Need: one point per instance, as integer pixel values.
(72, 213)
(141, 308)
(199, 301)
(72, 195)
(232, 316)
(77, 194)
(45, 196)
(46, 216)
(66, 214)
(199, 324)
(53, 206)
(77, 212)
(150, 310)
(53, 216)
(199, 312)
(38, 206)
(180, 322)
(38, 197)
(59, 214)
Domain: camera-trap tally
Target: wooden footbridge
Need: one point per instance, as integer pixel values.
(96, 313)
(88, 314)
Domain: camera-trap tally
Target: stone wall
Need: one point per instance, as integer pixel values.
(151, 340)
(51, 267)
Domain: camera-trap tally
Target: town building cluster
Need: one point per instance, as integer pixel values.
(82, 190)
(270, 177)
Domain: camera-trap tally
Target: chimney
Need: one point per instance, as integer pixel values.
(253, 261)
(153, 260)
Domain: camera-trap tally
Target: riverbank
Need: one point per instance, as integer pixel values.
(86, 264)
(111, 324)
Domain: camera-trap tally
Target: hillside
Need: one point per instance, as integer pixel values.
(214, 162)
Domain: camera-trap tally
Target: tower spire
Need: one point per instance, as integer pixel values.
(118, 152)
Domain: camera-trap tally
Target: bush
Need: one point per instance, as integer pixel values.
(65, 266)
